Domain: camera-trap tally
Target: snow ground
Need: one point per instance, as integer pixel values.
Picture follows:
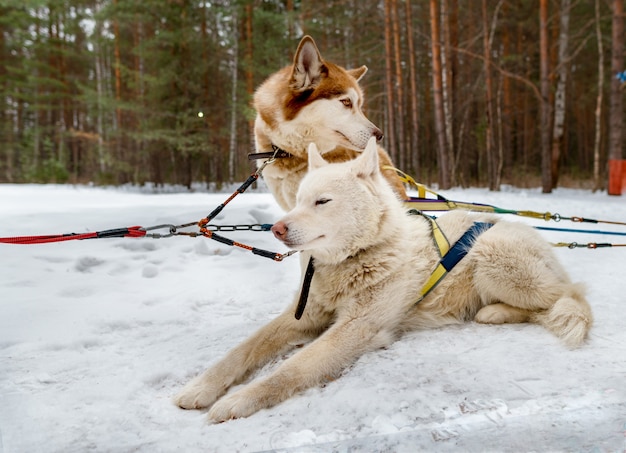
(97, 335)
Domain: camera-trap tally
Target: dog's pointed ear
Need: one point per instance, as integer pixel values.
(358, 73)
(308, 66)
(315, 158)
(367, 164)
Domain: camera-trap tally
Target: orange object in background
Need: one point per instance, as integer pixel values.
(617, 176)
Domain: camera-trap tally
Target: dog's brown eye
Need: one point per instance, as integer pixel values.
(321, 201)
(347, 103)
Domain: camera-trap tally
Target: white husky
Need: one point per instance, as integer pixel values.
(371, 261)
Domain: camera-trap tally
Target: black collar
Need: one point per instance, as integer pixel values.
(276, 153)
(306, 286)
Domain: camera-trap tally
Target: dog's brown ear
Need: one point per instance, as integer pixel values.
(358, 73)
(308, 66)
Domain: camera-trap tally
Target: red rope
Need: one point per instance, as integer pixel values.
(134, 231)
(46, 239)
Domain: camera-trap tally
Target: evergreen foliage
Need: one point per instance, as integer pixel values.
(114, 91)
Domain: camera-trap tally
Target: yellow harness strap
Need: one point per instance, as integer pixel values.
(452, 257)
(421, 188)
(449, 256)
(422, 203)
(440, 239)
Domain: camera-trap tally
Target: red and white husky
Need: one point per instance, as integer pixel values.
(312, 101)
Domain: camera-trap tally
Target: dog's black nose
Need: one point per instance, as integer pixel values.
(378, 134)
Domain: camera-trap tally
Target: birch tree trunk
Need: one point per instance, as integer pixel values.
(544, 115)
(489, 141)
(398, 82)
(100, 95)
(455, 148)
(447, 86)
(39, 114)
(248, 61)
(413, 151)
(440, 130)
(559, 97)
(508, 107)
(232, 148)
(616, 112)
(390, 126)
(598, 112)
(118, 87)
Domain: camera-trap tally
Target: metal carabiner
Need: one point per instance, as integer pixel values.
(172, 231)
(265, 164)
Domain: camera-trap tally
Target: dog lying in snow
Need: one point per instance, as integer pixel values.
(371, 261)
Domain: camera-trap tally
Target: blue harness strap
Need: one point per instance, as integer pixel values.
(456, 253)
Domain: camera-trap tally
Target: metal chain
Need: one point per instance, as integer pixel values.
(253, 227)
(209, 230)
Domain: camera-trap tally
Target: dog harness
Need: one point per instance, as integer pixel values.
(449, 256)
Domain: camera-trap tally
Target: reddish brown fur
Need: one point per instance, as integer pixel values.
(334, 83)
(281, 99)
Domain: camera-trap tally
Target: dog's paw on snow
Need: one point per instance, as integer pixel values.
(235, 405)
(197, 394)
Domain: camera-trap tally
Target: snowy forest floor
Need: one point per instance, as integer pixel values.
(97, 335)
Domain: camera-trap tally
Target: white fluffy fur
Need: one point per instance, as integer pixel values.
(371, 260)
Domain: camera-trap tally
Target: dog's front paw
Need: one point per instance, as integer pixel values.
(236, 405)
(197, 394)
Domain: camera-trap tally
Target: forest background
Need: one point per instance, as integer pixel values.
(478, 92)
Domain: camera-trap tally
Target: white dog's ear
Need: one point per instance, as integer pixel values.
(315, 158)
(308, 66)
(358, 73)
(367, 163)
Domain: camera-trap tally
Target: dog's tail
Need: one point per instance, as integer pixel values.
(569, 318)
